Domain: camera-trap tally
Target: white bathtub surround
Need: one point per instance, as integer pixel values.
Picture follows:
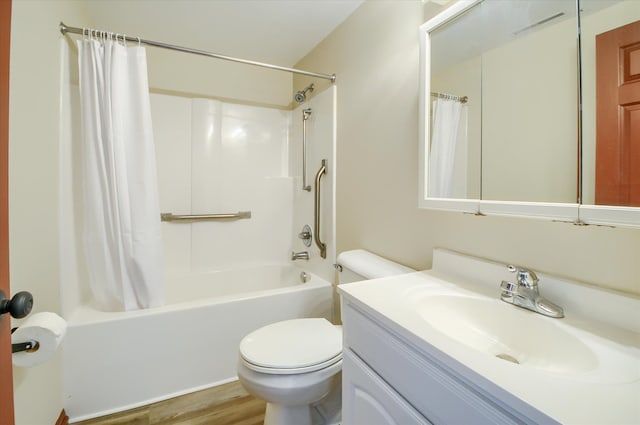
(118, 361)
(122, 238)
(219, 157)
(321, 144)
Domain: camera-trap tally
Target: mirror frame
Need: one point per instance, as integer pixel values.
(568, 212)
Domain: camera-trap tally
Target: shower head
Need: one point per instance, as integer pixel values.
(301, 95)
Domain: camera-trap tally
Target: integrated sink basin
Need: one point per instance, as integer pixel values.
(507, 332)
(512, 334)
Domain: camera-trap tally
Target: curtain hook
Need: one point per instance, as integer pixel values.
(138, 41)
(124, 40)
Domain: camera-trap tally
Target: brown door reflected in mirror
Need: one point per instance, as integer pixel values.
(618, 116)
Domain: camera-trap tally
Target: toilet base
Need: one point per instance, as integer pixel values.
(325, 412)
(328, 411)
(277, 414)
(295, 399)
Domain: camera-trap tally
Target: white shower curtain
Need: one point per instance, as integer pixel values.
(447, 156)
(122, 236)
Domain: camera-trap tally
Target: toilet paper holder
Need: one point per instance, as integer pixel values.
(29, 346)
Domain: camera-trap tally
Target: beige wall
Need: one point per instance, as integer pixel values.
(199, 76)
(184, 73)
(375, 56)
(191, 75)
(33, 186)
(526, 82)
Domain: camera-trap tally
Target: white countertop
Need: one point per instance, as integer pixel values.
(606, 394)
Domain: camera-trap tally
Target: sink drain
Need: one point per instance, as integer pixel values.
(507, 357)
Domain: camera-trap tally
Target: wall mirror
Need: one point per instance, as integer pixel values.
(500, 109)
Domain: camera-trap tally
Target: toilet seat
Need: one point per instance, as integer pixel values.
(292, 347)
(292, 371)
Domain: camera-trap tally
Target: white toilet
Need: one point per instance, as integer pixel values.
(294, 364)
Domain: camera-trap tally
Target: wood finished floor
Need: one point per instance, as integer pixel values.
(227, 404)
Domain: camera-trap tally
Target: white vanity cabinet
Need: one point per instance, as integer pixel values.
(370, 400)
(387, 380)
(440, 347)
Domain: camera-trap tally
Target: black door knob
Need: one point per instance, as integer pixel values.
(18, 306)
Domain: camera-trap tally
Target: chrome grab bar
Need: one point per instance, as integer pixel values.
(316, 219)
(305, 116)
(204, 217)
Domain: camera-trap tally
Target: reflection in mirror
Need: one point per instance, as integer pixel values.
(454, 112)
(515, 62)
(454, 154)
(611, 101)
(448, 169)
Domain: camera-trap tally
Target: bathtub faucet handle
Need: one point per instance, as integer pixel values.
(306, 235)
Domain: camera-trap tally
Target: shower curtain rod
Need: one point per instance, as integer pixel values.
(64, 29)
(461, 99)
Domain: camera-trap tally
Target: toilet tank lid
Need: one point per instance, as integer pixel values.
(369, 265)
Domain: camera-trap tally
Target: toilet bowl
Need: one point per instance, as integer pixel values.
(291, 365)
(294, 365)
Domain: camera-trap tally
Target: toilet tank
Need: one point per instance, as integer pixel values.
(359, 264)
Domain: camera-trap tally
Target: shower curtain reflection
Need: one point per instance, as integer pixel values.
(448, 151)
(122, 238)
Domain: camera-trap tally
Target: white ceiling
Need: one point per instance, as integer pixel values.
(280, 32)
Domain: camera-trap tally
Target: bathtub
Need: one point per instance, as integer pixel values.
(117, 361)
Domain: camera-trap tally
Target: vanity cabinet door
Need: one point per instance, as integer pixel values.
(367, 399)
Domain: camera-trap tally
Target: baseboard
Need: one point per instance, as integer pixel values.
(63, 419)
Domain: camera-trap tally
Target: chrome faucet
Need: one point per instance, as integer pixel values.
(524, 293)
(302, 255)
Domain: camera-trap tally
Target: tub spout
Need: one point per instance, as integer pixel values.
(302, 255)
